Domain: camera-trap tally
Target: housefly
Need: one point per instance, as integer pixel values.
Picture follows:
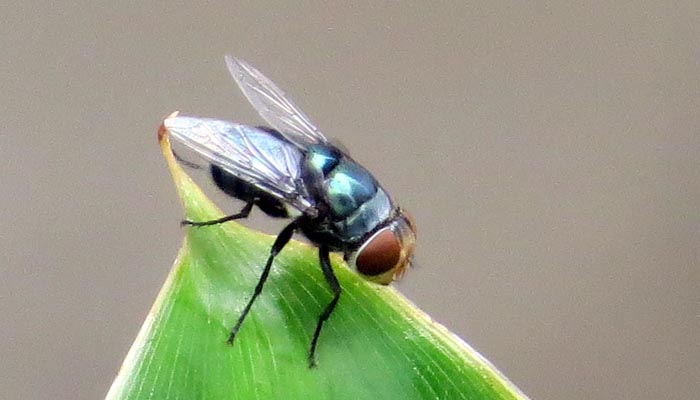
(290, 170)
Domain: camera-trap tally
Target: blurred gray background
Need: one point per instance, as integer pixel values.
(549, 153)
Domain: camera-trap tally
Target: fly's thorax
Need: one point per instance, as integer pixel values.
(337, 180)
(352, 201)
(319, 161)
(387, 251)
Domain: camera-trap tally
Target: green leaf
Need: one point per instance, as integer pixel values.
(376, 345)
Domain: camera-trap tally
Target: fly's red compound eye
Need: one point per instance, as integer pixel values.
(379, 254)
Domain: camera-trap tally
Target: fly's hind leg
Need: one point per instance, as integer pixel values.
(245, 211)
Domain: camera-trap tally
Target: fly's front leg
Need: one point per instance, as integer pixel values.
(245, 211)
(324, 258)
(282, 239)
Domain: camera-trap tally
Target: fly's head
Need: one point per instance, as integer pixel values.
(388, 251)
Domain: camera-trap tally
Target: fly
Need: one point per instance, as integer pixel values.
(290, 170)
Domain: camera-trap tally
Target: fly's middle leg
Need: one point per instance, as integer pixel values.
(328, 273)
(282, 239)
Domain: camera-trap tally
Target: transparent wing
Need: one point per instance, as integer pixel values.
(254, 155)
(272, 104)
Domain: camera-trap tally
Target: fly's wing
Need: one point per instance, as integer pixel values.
(251, 154)
(273, 106)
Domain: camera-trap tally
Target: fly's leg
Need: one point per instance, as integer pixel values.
(280, 242)
(335, 287)
(186, 163)
(245, 211)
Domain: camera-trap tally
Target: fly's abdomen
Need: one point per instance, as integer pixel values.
(242, 190)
